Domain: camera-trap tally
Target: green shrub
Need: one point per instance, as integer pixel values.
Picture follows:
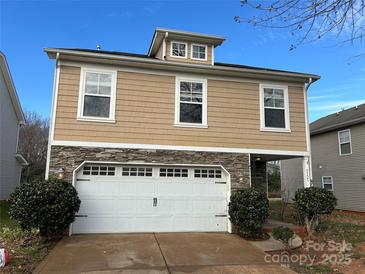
(283, 234)
(49, 206)
(310, 203)
(249, 210)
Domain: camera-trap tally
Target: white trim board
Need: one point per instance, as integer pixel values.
(53, 113)
(186, 148)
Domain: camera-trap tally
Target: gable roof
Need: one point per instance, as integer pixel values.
(344, 118)
(11, 88)
(118, 55)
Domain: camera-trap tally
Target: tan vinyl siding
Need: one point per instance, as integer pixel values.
(145, 111)
(188, 59)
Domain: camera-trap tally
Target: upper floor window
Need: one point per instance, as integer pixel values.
(274, 108)
(344, 140)
(327, 182)
(198, 52)
(97, 95)
(179, 49)
(191, 102)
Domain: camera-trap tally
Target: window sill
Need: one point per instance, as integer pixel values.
(191, 125)
(280, 130)
(179, 57)
(95, 120)
(347, 154)
(198, 59)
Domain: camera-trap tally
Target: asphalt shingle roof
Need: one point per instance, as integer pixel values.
(344, 118)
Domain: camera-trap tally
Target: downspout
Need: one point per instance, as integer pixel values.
(309, 158)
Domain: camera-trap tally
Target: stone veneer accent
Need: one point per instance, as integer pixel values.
(67, 157)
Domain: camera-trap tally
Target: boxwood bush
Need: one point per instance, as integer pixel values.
(283, 234)
(49, 206)
(312, 202)
(248, 211)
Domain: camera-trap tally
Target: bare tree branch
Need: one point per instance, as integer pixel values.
(310, 20)
(33, 140)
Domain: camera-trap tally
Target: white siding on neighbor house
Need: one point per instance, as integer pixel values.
(347, 171)
(10, 169)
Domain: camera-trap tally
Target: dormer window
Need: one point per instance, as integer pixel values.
(198, 52)
(179, 49)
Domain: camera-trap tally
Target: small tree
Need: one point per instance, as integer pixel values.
(283, 234)
(311, 203)
(33, 140)
(49, 206)
(249, 210)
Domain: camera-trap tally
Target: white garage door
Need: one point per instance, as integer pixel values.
(118, 199)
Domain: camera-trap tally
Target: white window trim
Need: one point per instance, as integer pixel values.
(286, 108)
(200, 45)
(327, 183)
(186, 50)
(80, 109)
(204, 123)
(339, 142)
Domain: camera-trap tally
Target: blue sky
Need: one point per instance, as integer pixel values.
(26, 27)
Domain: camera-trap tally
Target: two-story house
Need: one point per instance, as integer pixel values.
(158, 142)
(338, 159)
(11, 119)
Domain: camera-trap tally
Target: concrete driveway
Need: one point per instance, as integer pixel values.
(156, 253)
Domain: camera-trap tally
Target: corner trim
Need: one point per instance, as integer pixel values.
(53, 113)
(169, 147)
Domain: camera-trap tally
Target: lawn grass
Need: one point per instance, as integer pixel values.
(351, 233)
(5, 220)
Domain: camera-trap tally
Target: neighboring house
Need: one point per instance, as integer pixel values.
(338, 158)
(11, 118)
(158, 142)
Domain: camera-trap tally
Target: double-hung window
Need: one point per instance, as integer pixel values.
(198, 52)
(274, 108)
(344, 140)
(191, 102)
(327, 182)
(97, 95)
(179, 49)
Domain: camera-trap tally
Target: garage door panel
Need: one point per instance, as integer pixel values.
(174, 205)
(209, 189)
(128, 202)
(136, 188)
(86, 188)
(173, 188)
(209, 206)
